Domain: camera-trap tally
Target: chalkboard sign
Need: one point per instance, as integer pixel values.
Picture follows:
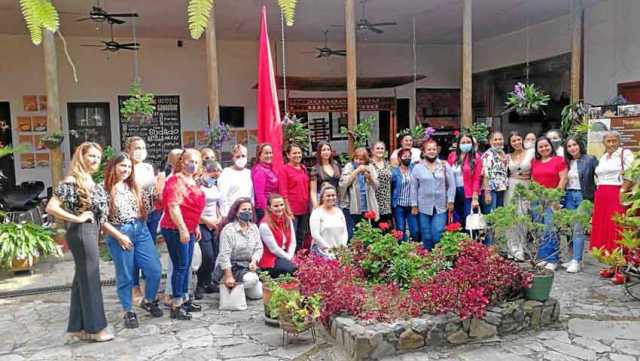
(161, 132)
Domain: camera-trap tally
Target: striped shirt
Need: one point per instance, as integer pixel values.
(404, 200)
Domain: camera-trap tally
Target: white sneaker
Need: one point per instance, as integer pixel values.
(566, 264)
(551, 266)
(519, 256)
(574, 267)
(541, 264)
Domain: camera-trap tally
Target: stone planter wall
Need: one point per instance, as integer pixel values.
(373, 341)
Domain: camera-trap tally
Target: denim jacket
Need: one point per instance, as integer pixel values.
(396, 184)
(586, 169)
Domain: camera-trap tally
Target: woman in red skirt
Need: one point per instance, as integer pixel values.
(611, 185)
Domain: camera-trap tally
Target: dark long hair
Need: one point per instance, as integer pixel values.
(111, 179)
(568, 157)
(269, 217)
(540, 139)
(232, 216)
(513, 133)
(471, 155)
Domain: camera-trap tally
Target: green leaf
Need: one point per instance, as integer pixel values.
(198, 13)
(288, 9)
(38, 15)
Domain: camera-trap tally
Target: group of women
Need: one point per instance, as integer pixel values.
(245, 219)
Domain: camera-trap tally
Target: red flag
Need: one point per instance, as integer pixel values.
(269, 123)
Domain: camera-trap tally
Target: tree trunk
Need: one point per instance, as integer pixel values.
(352, 74)
(56, 163)
(212, 70)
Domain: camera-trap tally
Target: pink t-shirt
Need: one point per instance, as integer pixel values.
(547, 174)
(191, 205)
(294, 187)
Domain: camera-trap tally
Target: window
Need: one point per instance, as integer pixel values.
(89, 122)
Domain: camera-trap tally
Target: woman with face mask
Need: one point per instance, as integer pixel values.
(495, 169)
(433, 192)
(529, 141)
(278, 237)
(235, 181)
(401, 197)
(550, 171)
(146, 181)
(82, 205)
(264, 178)
(129, 240)
(209, 221)
(467, 169)
(293, 184)
(183, 204)
(240, 250)
(555, 137)
(406, 142)
(613, 183)
(358, 185)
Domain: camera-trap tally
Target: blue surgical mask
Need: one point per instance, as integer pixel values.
(465, 148)
(245, 216)
(190, 168)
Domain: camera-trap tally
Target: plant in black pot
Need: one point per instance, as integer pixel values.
(53, 140)
(139, 107)
(518, 220)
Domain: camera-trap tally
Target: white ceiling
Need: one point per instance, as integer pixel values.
(437, 21)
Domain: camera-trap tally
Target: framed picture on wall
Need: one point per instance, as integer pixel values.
(338, 120)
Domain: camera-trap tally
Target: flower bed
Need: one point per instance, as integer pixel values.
(377, 281)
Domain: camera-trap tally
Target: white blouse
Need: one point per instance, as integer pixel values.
(212, 201)
(573, 176)
(270, 241)
(145, 176)
(609, 169)
(234, 184)
(328, 230)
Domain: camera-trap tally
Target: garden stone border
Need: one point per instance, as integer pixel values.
(362, 341)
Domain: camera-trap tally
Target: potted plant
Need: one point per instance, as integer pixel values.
(217, 136)
(269, 285)
(360, 134)
(575, 120)
(480, 132)
(504, 221)
(139, 107)
(53, 140)
(526, 99)
(296, 313)
(417, 133)
(21, 244)
(296, 132)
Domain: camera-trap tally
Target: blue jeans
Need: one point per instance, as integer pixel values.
(497, 200)
(143, 256)
(548, 250)
(350, 223)
(153, 219)
(431, 228)
(572, 199)
(403, 218)
(180, 254)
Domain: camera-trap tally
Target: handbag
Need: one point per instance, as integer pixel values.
(475, 221)
(196, 259)
(232, 299)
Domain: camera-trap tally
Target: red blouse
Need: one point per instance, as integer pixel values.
(191, 205)
(547, 174)
(294, 187)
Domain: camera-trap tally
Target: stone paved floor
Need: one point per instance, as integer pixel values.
(599, 322)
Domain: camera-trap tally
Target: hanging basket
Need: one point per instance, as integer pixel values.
(139, 117)
(52, 143)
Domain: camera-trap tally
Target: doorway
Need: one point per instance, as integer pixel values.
(7, 166)
(631, 91)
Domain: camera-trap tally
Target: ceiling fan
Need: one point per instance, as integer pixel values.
(114, 46)
(99, 15)
(364, 24)
(326, 51)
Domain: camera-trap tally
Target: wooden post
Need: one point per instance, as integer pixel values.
(352, 91)
(577, 18)
(212, 70)
(53, 103)
(467, 62)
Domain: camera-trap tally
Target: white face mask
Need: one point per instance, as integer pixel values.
(139, 155)
(241, 162)
(528, 145)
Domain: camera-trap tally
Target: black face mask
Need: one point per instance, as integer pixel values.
(405, 162)
(430, 159)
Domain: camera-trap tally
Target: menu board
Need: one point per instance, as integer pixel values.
(161, 133)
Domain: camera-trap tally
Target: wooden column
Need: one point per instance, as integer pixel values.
(53, 103)
(577, 18)
(212, 70)
(352, 92)
(467, 62)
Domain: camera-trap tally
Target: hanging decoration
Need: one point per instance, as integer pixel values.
(39, 15)
(288, 10)
(139, 107)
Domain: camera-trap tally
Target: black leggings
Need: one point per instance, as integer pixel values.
(209, 247)
(282, 266)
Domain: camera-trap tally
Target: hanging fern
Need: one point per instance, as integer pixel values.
(198, 12)
(38, 15)
(288, 9)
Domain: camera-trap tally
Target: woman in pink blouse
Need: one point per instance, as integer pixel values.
(467, 168)
(293, 184)
(265, 180)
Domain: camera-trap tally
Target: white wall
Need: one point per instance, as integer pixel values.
(166, 69)
(612, 48)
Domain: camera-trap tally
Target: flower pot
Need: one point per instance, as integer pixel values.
(23, 264)
(288, 326)
(139, 118)
(52, 144)
(540, 287)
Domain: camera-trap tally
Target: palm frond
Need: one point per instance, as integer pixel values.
(288, 9)
(198, 13)
(39, 14)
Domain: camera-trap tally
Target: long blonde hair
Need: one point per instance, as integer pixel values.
(181, 186)
(78, 170)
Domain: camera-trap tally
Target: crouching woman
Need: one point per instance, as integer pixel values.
(240, 250)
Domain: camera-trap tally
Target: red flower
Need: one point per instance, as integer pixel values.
(383, 226)
(397, 234)
(370, 215)
(453, 227)
(456, 133)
